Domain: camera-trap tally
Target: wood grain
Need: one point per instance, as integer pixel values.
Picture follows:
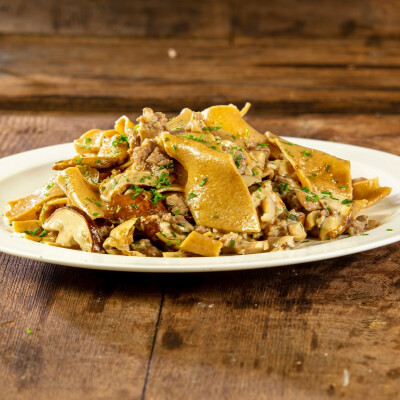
(226, 19)
(279, 77)
(318, 331)
(321, 330)
(92, 332)
(141, 19)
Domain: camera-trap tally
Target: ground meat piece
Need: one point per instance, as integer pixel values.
(150, 225)
(277, 229)
(239, 157)
(176, 204)
(144, 246)
(141, 153)
(294, 216)
(151, 124)
(157, 161)
(240, 161)
(250, 143)
(291, 200)
(133, 140)
(202, 229)
(178, 222)
(358, 225)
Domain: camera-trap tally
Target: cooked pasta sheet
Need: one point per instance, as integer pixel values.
(200, 184)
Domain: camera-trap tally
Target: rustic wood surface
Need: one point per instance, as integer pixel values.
(321, 330)
(282, 333)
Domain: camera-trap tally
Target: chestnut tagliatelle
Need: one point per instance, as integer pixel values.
(200, 184)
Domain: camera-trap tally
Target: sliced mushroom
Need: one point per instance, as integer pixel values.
(281, 243)
(127, 206)
(50, 206)
(75, 229)
(297, 231)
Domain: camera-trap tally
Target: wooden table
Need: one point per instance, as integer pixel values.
(328, 329)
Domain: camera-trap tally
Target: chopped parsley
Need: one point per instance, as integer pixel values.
(262, 144)
(32, 233)
(121, 139)
(157, 196)
(49, 186)
(118, 209)
(254, 172)
(163, 181)
(246, 132)
(176, 212)
(314, 198)
(95, 214)
(43, 233)
(138, 191)
(192, 195)
(174, 147)
(199, 139)
(283, 187)
(343, 186)
(389, 230)
(306, 153)
(28, 331)
(232, 243)
(168, 243)
(327, 167)
(166, 166)
(312, 176)
(203, 182)
(307, 190)
(78, 160)
(133, 205)
(347, 202)
(98, 161)
(98, 204)
(234, 137)
(238, 158)
(212, 128)
(290, 154)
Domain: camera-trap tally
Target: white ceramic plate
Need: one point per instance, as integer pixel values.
(22, 173)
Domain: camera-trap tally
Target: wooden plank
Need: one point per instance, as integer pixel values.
(140, 19)
(124, 75)
(371, 20)
(322, 330)
(91, 337)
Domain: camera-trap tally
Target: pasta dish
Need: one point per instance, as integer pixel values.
(199, 184)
